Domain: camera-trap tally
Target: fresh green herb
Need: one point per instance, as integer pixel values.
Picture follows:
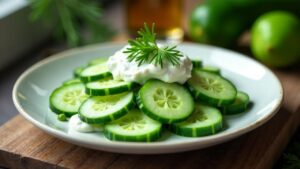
(292, 155)
(69, 19)
(144, 49)
(62, 117)
(292, 161)
(290, 158)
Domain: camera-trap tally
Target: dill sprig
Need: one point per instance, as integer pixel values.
(77, 21)
(144, 49)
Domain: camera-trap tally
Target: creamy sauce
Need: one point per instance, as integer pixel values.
(83, 127)
(122, 69)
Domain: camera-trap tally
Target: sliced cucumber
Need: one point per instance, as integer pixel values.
(239, 105)
(97, 61)
(135, 126)
(77, 71)
(204, 121)
(107, 86)
(165, 102)
(211, 69)
(71, 81)
(101, 109)
(67, 99)
(197, 63)
(211, 88)
(95, 72)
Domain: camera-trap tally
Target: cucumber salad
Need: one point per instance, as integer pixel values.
(145, 89)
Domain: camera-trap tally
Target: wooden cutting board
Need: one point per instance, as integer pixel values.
(24, 146)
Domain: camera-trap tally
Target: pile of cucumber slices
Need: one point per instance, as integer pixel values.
(132, 112)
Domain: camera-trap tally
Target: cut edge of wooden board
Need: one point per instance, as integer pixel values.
(16, 160)
(280, 144)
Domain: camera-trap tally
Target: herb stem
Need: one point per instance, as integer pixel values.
(144, 49)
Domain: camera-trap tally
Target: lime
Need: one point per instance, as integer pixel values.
(275, 39)
(208, 24)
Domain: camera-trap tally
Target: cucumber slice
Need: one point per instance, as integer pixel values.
(107, 86)
(67, 99)
(77, 71)
(95, 72)
(197, 63)
(239, 105)
(165, 102)
(211, 88)
(135, 126)
(72, 81)
(97, 61)
(101, 109)
(204, 121)
(211, 69)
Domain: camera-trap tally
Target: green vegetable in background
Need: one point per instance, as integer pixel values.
(207, 24)
(220, 22)
(276, 39)
(70, 17)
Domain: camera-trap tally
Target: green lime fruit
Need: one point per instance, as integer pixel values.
(208, 24)
(275, 39)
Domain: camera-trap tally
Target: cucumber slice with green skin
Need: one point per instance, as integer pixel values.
(240, 104)
(101, 109)
(77, 71)
(205, 120)
(67, 99)
(107, 86)
(95, 72)
(211, 69)
(97, 61)
(211, 88)
(134, 126)
(197, 63)
(165, 102)
(72, 81)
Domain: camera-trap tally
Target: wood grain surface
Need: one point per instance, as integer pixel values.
(24, 146)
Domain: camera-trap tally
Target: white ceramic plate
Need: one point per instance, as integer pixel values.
(31, 93)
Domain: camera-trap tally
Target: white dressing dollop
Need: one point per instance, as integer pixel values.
(83, 127)
(122, 69)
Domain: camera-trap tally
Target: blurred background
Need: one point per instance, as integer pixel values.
(30, 30)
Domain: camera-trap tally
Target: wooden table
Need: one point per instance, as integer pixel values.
(24, 146)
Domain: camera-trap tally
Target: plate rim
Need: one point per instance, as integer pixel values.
(224, 136)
